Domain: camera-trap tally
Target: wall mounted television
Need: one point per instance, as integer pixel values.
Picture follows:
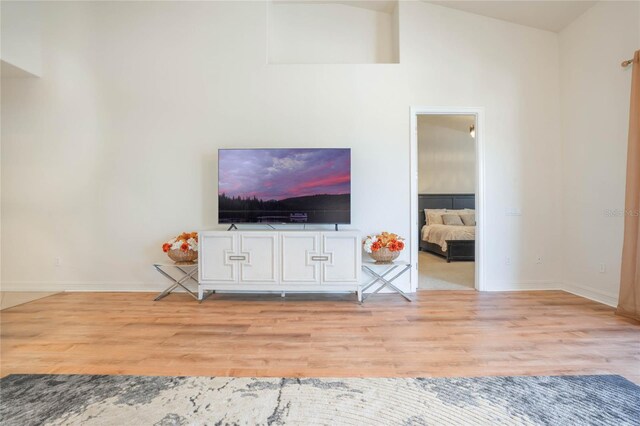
(300, 186)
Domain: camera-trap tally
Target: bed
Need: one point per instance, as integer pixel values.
(454, 243)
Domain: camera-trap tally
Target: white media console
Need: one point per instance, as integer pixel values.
(279, 261)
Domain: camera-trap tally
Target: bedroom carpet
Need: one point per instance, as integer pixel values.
(143, 400)
(435, 273)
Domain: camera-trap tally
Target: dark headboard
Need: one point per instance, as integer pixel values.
(444, 201)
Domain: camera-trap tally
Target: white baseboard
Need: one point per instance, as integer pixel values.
(522, 285)
(592, 294)
(107, 286)
(100, 286)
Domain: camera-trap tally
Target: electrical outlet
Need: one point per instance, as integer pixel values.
(57, 261)
(507, 261)
(603, 268)
(513, 211)
(539, 260)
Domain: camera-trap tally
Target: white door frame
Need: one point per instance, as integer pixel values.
(480, 226)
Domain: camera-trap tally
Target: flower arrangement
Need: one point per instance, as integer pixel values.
(392, 242)
(384, 247)
(185, 242)
(182, 249)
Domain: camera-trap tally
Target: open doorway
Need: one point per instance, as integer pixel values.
(446, 199)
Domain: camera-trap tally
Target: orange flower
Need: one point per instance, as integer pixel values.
(400, 245)
(376, 246)
(184, 247)
(166, 247)
(393, 245)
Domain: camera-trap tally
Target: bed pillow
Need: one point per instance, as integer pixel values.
(468, 219)
(434, 216)
(451, 219)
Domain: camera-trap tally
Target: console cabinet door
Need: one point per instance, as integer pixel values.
(299, 257)
(344, 257)
(217, 257)
(259, 257)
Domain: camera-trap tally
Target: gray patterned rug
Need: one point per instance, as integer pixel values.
(141, 400)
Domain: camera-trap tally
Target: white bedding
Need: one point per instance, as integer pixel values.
(439, 234)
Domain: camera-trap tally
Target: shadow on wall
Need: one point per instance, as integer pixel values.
(209, 190)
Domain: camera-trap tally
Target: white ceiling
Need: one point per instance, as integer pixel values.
(386, 6)
(550, 15)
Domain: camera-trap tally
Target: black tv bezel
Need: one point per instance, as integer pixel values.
(284, 223)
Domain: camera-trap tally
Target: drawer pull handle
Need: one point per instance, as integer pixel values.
(237, 257)
(320, 258)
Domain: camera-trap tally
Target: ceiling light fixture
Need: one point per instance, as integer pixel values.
(472, 131)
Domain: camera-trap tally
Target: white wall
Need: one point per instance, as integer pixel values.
(595, 117)
(446, 154)
(114, 149)
(313, 33)
(20, 44)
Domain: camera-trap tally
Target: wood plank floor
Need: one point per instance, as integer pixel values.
(443, 333)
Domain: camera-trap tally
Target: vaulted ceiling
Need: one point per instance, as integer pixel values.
(550, 15)
(545, 15)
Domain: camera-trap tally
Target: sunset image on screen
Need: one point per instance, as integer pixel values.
(284, 185)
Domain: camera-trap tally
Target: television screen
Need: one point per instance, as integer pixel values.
(284, 186)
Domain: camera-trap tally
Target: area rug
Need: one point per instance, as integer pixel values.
(141, 400)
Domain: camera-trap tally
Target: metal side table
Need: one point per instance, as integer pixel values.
(181, 274)
(387, 269)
